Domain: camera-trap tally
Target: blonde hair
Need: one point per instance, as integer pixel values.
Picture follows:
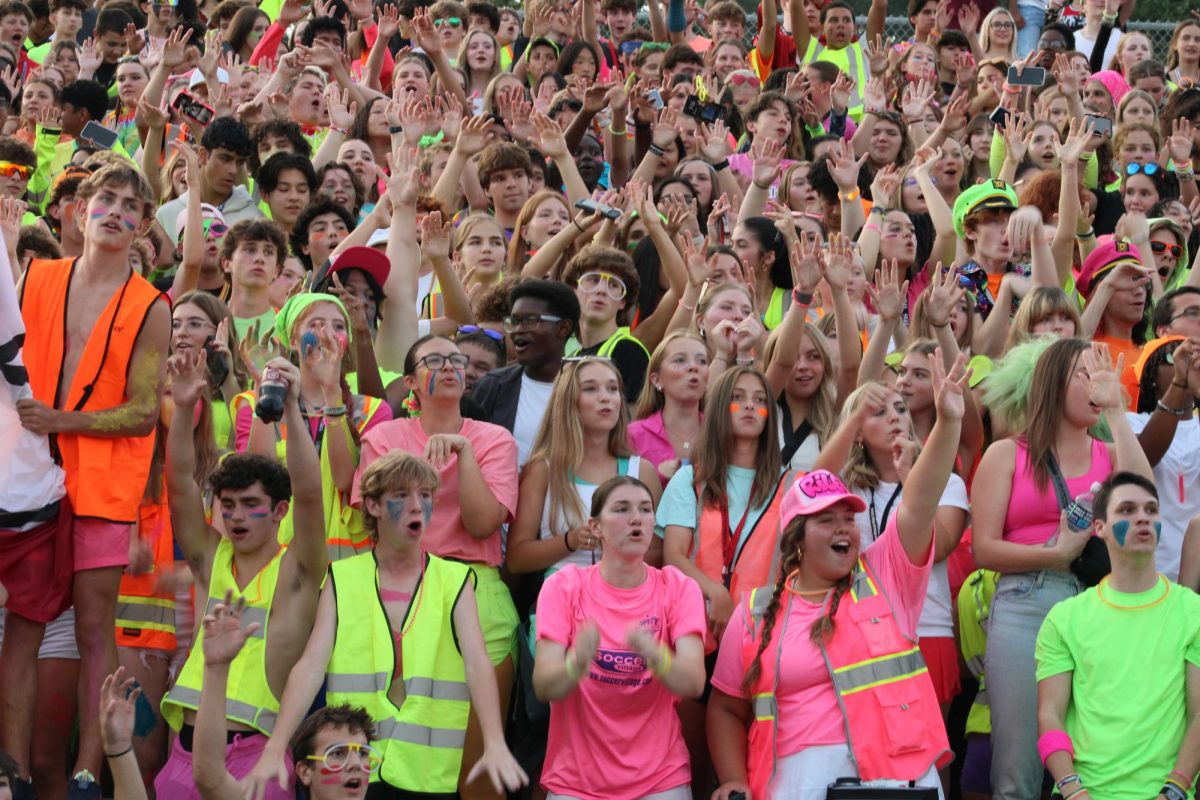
(1130, 96)
(394, 471)
(985, 35)
(518, 245)
(706, 302)
(462, 57)
(822, 408)
(716, 439)
(860, 471)
(1035, 307)
(560, 443)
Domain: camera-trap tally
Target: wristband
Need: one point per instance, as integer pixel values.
(342, 131)
(1080, 790)
(570, 667)
(1179, 386)
(567, 542)
(664, 661)
(720, 165)
(656, 150)
(1072, 778)
(760, 186)
(396, 129)
(1109, 18)
(1182, 413)
(801, 298)
(118, 755)
(335, 411)
(685, 306)
(1088, 234)
(1012, 89)
(871, 227)
(1052, 742)
(744, 362)
(617, 133)
(1172, 791)
(849, 197)
(875, 112)
(1184, 780)
(575, 222)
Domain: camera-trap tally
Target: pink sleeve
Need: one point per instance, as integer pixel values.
(384, 414)
(245, 418)
(555, 605)
(685, 616)
(498, 463)
(730, 672)
(268, 44)
(373, 447)
(905, 582)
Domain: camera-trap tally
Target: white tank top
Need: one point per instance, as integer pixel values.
(584, 558)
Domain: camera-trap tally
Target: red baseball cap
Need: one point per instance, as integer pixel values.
(368, 259)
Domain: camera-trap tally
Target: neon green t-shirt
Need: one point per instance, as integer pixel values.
(1128, 656)
(266, 324)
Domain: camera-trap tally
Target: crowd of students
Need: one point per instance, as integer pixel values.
(669, 417)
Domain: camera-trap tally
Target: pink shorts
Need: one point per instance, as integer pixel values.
(175, 779)
(100, 543)
(941, 656)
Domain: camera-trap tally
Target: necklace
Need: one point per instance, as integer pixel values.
(1161, 580)
(685, 443)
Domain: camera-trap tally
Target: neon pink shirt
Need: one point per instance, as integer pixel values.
(648, 438)
(1033, 513)
(617, 737)
(809, 714)
(446, 535)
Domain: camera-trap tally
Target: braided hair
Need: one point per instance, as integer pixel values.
(791, 543)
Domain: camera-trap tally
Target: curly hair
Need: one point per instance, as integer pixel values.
(243, 470)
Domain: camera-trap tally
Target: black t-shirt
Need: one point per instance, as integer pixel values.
(631, 361)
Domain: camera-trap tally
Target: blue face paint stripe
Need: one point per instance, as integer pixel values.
(1120, 531)
(1157, 532)
(427, 508)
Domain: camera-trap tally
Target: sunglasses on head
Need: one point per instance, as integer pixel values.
(495, 336)
(10, 170)
(1145, 169)
(1162, 247)
(453, 22)
(743, 79)
(654, 46)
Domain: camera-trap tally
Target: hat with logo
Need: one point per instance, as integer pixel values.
(815, 492)
(989, 194)
(1109, 254)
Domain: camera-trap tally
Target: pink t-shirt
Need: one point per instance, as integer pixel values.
(648, 438)
(617, 737)
(809, 714)
(446, 535)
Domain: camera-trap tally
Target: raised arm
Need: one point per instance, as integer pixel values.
(307, 554)
(118, 697)
(1104, 390)
(398, 326)
(187, 277)
(807, 268)
(767, 155)
(887, 295)
(928, 477)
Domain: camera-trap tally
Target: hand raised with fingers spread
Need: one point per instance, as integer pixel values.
(1103, 381)
(808, 265)
(884, 186)
(767, 155)
(945, 293)
(666, 128)
(950, 389)
(890, 291)
(118, 698)
(473, 136)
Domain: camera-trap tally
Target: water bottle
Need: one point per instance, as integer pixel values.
(1079, 512)
(271, 394)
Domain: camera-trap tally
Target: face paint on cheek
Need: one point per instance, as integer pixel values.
(395, 509)
(427, 508)
(342, 339)
(1157, 532)
(762, 412)
(432, 382)
(1120, 531)
(735, 408)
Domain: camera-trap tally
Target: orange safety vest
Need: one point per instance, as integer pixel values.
(893, 722)
(105, 476)
(754, 563)
(145, 616)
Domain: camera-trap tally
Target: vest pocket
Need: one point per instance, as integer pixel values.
(878, 628)
(904, 717)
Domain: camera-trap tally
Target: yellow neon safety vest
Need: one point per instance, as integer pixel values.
(849, 59)
(610, 344)
(775, 309)
(249, 699)
(422, 741)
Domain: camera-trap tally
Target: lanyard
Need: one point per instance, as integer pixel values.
(876, 530)
(729, 545)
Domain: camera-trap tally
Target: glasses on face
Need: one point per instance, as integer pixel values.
(1162, 247)
(453, 22)
(337, 756)
(512, 324)
(592, 282)
(11, 170)
(1145, 169)
(435, 361)
(742, 79)
(192, 325)
(1191, 313)
(1051, 44)
(495, 336)
(214, 228)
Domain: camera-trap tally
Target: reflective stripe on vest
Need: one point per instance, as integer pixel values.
(622, 335)
(765, 706)
(421, 740)
(878, 671)
(249, 699)
(146, 612)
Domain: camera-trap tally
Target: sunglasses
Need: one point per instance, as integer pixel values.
(1162, 247)
(214, 228)
(611, 285)
(1145, 169)
(495, 336)
(337, 756)
(742, 79)
(453, 22)
(632, 46)
(11, 170)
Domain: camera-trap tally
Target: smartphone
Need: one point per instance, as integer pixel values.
(655, 97)
(1104, 125)
(1031, 76)
(97, 134)
(187, 105)
(593, 207)
(707, 113)
(999, 117)
(218, 368)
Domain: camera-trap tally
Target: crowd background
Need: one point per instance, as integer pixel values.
(599, 399)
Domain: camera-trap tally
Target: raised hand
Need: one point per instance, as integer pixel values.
(945, 293)
(224, 635)
(767, 155)
(714, 144)
(1103, 381)
(551, 140)
(435, 237)
(1068, 79)
(402, 181)
(968, 19)
(839, 93)
(89, 57)
(388, 19)
(949, 389)
(134, 43)
(666, 128)
(877, 54)
(843, 167)
(890, 290)
(11, 213)
(1018, 135)
(187, 376)
(875, 95)
(1079, 135)
(118, 698)
(916, 98)
(884, 186)
(174, 49)
(1180, 143)
(807, 264)
(838, 261)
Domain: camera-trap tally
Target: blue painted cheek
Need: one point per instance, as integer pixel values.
(395, 510)
(1157, 532)
(1120, 531)
(427, 507)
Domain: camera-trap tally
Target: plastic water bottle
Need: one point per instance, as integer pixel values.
(271, 394)
(1079, 512)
